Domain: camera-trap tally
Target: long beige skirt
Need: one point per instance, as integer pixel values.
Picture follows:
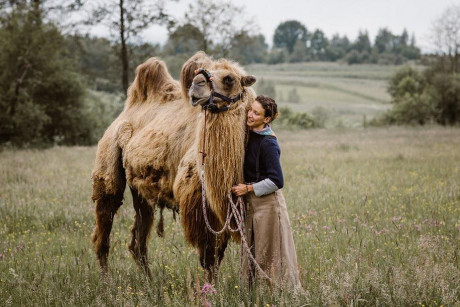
(269, 235)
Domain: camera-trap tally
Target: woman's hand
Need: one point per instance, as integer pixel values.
(241, 189)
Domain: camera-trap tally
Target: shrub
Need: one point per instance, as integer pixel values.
(291, 119)
(433, 96)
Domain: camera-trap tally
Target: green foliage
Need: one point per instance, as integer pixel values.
(100, 109)
(296, 120)
(277, 56)
(406, 80)
(175, 63)
(321, 116)
(96, 61)
(247, 49)
(356, 57)
(433, 96)
(318, 46)
(288, 33)
(337, 48)
(362, 43)
(186, 39)
(300, 53)
(41, 97)
(445, 91)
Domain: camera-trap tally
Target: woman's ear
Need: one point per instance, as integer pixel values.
(267, 120)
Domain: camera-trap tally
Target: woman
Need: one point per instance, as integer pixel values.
(267, 222)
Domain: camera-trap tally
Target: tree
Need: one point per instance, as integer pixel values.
(219, 22)
(125, 19)
(41, 96)
(299, 54)
(337, 48)
(385, 41)
(362, 43)
(248, 49)
(288, 33)
(446, 34)
(185, 39)
(318, 45)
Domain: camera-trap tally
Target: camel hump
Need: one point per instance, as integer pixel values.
(124, 132)
(153, 82)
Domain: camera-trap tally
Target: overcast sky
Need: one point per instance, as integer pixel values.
(345, 17)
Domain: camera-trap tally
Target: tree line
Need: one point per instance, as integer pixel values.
(52, 73)
(431, 95)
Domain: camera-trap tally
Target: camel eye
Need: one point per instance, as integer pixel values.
(229, 80)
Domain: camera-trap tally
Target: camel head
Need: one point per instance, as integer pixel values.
(227, 78)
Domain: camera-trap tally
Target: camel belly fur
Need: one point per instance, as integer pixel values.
(152, 154)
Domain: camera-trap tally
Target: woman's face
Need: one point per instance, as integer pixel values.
(256, 116)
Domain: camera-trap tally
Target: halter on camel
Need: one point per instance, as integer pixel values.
(235, 209)
(210, 105)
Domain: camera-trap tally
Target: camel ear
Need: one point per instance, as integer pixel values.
(198, 60)
(248, 80)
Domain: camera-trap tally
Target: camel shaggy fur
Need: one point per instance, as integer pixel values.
(154, 145)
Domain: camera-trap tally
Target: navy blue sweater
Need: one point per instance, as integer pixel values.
(269, 163)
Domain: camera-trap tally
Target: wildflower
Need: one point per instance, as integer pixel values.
(205, 290)
(208, 289)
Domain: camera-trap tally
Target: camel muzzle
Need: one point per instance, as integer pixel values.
(209, 104)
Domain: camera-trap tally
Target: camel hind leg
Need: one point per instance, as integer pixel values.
(143, 222)
(109, 182)
(106, 207)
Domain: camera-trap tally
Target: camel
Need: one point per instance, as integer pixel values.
(154, 145)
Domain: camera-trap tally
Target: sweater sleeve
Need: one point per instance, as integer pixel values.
(271, 159)
(264, 187)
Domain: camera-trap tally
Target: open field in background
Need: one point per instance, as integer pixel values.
(346, 92)
(375, 216)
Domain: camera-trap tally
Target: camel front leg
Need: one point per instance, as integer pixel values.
(211, 252)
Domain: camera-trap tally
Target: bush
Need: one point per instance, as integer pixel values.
(320, 116)
(291, 119)
(406, 80)
(433, 96)
(445, 90)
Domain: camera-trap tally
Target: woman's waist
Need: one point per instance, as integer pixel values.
(265, 201)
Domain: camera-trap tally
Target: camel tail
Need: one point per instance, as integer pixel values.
(152, 83)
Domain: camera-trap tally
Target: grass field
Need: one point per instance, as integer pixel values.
(375, 216)
(347, 92)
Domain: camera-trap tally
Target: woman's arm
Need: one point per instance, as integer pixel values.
(270, 158)
(242, 189)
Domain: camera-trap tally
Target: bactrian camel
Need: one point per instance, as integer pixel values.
(154, 145)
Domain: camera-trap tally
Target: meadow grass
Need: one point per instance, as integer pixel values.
(348, 92)
(375, 216)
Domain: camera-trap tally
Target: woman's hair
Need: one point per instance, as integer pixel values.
(269, 106)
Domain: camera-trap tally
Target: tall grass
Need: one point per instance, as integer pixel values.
(375, 217)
